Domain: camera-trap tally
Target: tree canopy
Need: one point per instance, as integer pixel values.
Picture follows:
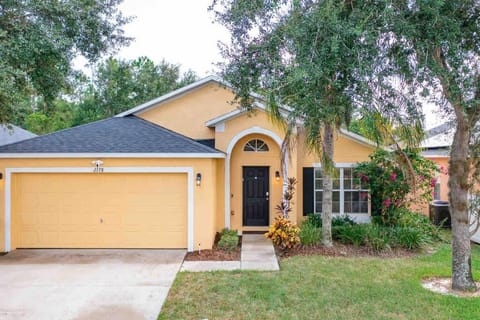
(118, 85)
(436, 47)
(304, 54)
(115, 85)
(40, 38)
(378, 57)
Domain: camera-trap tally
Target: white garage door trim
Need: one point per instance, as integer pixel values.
(187, 170)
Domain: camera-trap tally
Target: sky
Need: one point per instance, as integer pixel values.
(182, 32)
(179, 31)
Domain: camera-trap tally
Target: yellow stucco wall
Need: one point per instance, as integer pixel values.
(188, 113)
(346, 150)
(220, 194)
(208, 209)
(256, 119)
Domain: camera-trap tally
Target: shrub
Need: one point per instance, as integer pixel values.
(314, 219)
(228, 240)
(410, 238)
(344, 220)
(390, 184)
(403, 217)
(285, 206)
(352, 234)
(230, 232)
(378, 237)
(309, 234)
(337, 231)
(283, 233)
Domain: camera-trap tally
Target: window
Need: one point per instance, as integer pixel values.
(256, 145)
(349, 194)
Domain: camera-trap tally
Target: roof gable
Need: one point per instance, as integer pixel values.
(238, 112)
(172, 95)
(440, 136)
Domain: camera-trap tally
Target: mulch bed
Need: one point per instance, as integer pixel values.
(342, 250)
(216, 254)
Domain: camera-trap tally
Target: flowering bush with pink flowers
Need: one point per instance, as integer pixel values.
(394, 183)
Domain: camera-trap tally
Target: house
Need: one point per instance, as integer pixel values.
(10, 133)
(436, 147)
(169, 173)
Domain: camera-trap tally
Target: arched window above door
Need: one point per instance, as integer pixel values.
(256, 145)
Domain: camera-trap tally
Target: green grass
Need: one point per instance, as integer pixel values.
(318, 287)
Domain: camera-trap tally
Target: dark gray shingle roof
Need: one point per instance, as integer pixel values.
(113, 135)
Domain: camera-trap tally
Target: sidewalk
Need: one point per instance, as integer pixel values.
(257, 254)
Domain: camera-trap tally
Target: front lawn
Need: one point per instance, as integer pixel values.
(317, 287)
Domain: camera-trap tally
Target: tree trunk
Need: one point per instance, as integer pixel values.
(327, 186)
(458, 184)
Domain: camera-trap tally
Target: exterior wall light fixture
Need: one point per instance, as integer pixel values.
(277, 175)
(199, 179)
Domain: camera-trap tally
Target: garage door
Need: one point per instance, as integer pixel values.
(99, 210)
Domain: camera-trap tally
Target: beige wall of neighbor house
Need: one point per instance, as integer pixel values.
(241, 158)
(187, 114)
(441, 162)
(205, 207)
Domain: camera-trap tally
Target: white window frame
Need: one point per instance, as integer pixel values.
(341, 167)
(257, 146)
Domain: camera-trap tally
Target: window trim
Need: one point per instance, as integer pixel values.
(340, 166)
(256, 148)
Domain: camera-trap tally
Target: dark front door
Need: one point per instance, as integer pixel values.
(256, 196)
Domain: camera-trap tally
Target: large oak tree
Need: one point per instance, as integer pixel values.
(435, 47)
(40, 38)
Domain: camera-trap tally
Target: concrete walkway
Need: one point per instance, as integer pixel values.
(257, 254)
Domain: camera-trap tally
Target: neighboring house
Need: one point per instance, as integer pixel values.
(169, 173)
(436, 147)
(10, 133)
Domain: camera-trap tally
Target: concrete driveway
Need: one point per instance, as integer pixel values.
(86, 284)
